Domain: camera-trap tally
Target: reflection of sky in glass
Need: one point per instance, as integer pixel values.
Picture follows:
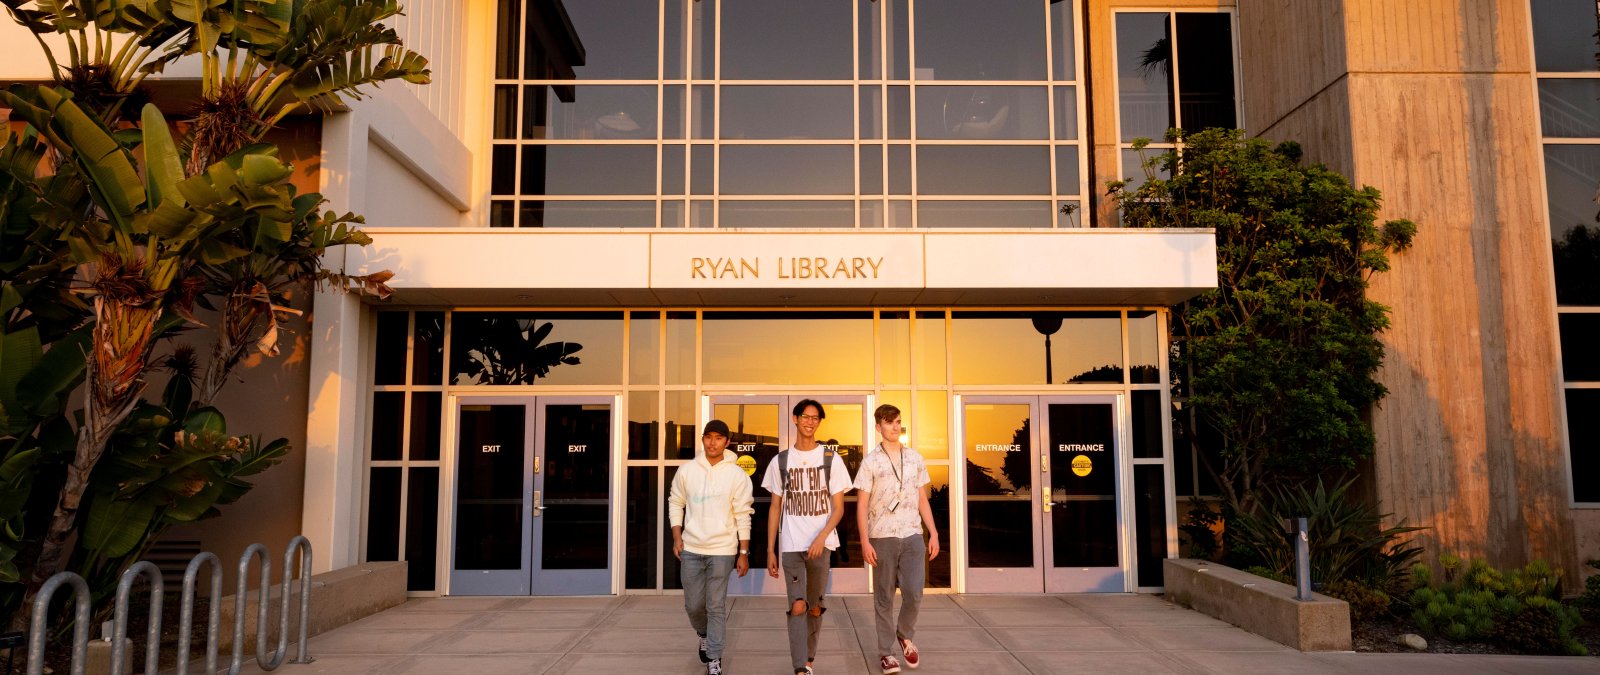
(749, 422)
(1146, 97)
(989, 349)
(932, 425)
(599, 361)
(994, 424)
(786, 348)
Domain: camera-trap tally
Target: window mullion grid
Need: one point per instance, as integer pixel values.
(1050, 116)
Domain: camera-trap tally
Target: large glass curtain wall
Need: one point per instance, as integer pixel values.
(776, 113)
(1175, 70)
(663, 362)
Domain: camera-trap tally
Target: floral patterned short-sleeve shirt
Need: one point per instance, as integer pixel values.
(894, 488)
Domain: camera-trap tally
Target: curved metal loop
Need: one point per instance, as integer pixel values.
(119, 629)
(80, 623)
(240, 598)
(302, 546)
(191, 577)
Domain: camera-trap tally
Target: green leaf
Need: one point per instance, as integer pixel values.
(109, 167)
(163, 170)
(116, 526)
(205, 420)
(58, 372)
(20, 351)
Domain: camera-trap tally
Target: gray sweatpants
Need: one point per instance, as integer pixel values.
(804, 580)
(902, 563)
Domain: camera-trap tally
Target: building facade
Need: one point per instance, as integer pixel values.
(613, 220)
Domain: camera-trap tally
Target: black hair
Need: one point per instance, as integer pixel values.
(800, 408)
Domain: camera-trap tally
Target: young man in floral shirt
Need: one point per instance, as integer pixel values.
(892, 508)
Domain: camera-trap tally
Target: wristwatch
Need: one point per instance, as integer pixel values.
(744, 551)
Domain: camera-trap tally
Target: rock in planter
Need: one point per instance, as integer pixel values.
(1413, 642)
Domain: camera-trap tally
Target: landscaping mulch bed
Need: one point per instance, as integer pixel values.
(1382, 635)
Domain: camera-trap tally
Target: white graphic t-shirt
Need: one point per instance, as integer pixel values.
(895, 489)
(809, 503)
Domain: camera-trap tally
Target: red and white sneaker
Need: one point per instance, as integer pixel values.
(890, 665)
(912, 658)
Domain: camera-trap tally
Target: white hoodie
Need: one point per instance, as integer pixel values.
(718, 502)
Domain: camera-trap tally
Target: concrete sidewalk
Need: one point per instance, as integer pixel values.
(988, 634)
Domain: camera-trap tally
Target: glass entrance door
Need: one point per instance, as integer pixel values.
(1042, 494)
(762, 426)
(532, 496)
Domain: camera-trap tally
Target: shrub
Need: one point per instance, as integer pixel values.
(1590, 600)
(1269, 573)
(1347, 539)
(1198, 533)
(1365, 601)
(1519, 609)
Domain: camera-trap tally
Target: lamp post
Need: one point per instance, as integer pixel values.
(1047, 324)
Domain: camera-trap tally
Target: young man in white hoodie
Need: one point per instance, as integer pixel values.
(709, 507)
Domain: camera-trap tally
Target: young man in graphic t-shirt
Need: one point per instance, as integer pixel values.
(892, 508)
(808, 502)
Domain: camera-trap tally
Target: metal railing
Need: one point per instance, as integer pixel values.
(299, 551)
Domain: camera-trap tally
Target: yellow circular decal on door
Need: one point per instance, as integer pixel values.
(1082, 465)
(747, 463)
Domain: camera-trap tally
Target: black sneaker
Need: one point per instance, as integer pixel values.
(704, 657)
(714, 667)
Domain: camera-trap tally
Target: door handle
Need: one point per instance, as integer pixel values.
(536, 463)
(538, 503)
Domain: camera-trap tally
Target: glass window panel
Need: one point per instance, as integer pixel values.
(872, 213)
(502, 214)
(701, 214)
(588, 170)
(680, 353)
(508, 18)
(899, 112)
(422, 528)
(898, 42)
(644, 425)
(671, 576)
(983, 214)
(1066, 113)
(872, 169)
(789, 214)
(1572, 175)
(427, 423)
(1134, 170)
(938, 571)
(504, 179)
(1011, 347)
(1570, 108)
(427, 353)
(672, 214)
(869, 21)
(603, 112)
(505, 111)
(871, 111)
(1069, 213)
(702, 112)
(1183, 460)
(672, 169)
(383, 513)
(388, 425)
(1144, 75)
(389, 364)
(894, 348)
(932, 424)
(1147, 421)
(588, 214)
(672, 107)
(639, 528)
(1563, 35)
(1144, 347)
(536, 110)
(1067, 178)
(1205, 71)
(673, 49)
(995, 40)
(547, 348)
(703, 43)
(702, 169)
(929, 333)
(490, 451)
(787, 40)
(787, 170)
(1063, 44)
(1579, 335)
(982, 112)
(1083, 516)
(1000, 484)
(900, 172)
(775, 348)
(1583, 437)
(683, 439)
(983, 170)
(644, 348)
(578, 505)
(1150, 522)
(899, 213)
(619, 41)
(787, 112)
(535, 63)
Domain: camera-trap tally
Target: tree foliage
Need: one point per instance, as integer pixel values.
(1279, 360)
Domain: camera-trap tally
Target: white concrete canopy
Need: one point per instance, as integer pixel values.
(615, 267)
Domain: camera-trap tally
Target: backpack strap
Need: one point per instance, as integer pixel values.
(783, 470)
(827, 468)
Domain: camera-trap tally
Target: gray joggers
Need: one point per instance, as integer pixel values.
(902, 563)
(804, 580)
(705, 596)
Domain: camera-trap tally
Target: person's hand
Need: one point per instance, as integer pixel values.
(933, 546)
(742, 564)
(818, 547)
(772, 563)
(677, 547)
(868, 553)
